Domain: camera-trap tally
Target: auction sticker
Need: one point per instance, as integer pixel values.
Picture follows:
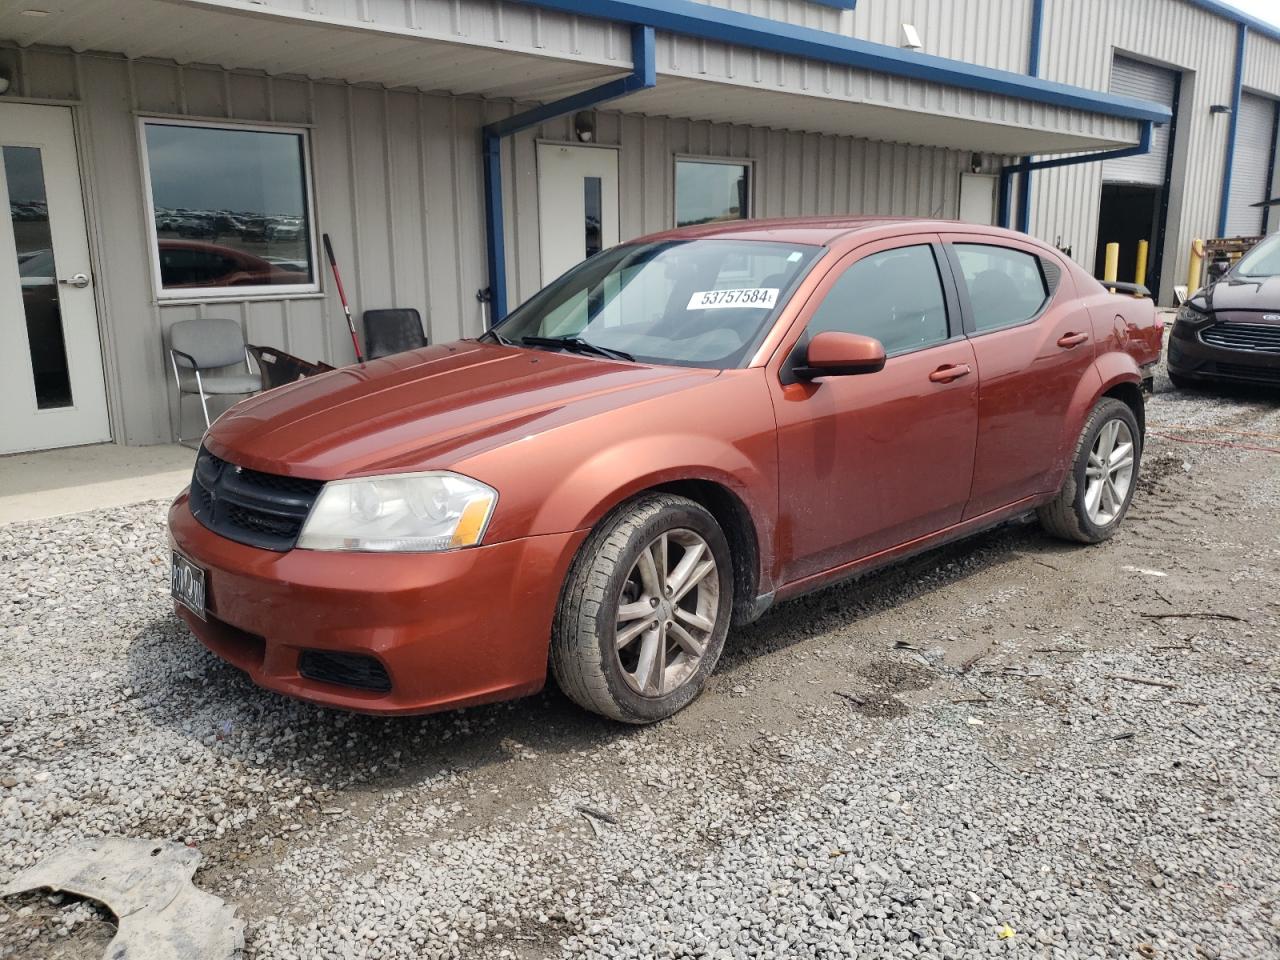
(763, 297)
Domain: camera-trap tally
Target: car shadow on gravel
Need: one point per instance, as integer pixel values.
(177, 684)
(840, 608)
(181, 686)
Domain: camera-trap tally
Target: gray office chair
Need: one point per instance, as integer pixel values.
(207, 354)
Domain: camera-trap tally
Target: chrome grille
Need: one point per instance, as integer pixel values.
(1258, 337)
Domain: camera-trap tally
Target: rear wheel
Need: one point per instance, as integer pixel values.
(1104, 473)
(645, 610)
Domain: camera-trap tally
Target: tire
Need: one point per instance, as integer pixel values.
(1068, 516)
(608, 582)
(1181, 382)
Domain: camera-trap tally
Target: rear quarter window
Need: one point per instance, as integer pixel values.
(1006, 287)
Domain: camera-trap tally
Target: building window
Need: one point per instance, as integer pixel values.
(230, 208)
(710, 191)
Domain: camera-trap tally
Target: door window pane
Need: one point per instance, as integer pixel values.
(711, 192)
(593, 211)
(1006, 287)
(231, 208)
(894, 296)
(29, 211)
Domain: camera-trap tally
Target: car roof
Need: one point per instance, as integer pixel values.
(825, 231)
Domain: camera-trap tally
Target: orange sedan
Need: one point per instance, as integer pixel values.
(678, 433)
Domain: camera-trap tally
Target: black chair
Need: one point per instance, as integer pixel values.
(392, 331)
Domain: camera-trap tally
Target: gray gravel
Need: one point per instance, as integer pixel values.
(952, 759)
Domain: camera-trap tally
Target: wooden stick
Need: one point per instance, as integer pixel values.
(1148, 681)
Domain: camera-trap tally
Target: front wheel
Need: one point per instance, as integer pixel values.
(1104, 474)
(645, 610)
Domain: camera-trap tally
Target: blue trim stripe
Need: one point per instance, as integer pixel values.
(705, 22)
(1027, 165)
(1227, 11)
(1035, 48)
(644, 75)
(1228, 172)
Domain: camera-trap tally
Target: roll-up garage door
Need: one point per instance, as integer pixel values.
(1251, 169)
(1132, 78)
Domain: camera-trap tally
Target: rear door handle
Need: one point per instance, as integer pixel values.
(1072, 340)
(950, 372)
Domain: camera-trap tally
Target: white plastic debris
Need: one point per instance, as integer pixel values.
(147, 885)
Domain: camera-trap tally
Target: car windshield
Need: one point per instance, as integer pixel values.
(1262, 261)
(698, 303)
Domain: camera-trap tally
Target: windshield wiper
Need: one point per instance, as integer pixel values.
(577, 345)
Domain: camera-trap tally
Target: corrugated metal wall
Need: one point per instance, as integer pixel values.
(960, 29)
(398, 186)
(1082, 37)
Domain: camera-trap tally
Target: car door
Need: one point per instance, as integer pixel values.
(874, 460)
(1032, 340)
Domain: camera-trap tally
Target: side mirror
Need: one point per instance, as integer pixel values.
(835, 354)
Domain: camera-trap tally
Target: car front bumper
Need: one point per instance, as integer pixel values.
(1189, 356)
(450, 629)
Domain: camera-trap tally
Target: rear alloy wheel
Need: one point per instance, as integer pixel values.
(1099, 487)
(645, 610)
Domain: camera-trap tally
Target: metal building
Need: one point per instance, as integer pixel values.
(169, 159)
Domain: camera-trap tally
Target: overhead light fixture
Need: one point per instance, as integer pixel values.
(911, 37)
(34, 13)
(5, 83)
(975, 163)
(1219, 108)
(584, 126)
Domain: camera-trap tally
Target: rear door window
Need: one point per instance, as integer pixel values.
(1006, 287)
(894, 296)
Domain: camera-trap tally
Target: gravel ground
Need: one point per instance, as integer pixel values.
(1010, 746)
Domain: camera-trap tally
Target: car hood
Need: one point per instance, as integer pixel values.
(1236, 293)
(429, 408)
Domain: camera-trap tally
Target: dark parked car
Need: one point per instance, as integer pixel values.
(1230, 330)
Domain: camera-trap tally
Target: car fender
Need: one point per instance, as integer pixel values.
(595, 487)
(1106, 372)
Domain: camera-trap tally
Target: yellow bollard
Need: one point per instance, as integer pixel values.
(1196, 270)
(1112, 264)
(1140, 273)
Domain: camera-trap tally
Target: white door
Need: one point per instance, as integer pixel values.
(978, 198)
(51, 387)
(577, 204)
(1251, 169)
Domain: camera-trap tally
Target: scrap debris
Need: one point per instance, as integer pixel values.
(147, 885)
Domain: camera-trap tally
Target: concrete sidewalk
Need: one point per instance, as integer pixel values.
(53, 483)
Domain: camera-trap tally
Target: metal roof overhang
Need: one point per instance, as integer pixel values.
(712, 64)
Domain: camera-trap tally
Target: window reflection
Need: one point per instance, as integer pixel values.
(593, 207)
(711, 192)
(29, 211)
(230, 207)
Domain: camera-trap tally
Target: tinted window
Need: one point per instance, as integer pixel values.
(895, 296)
(1006, 287)
(230, 206)
(711, 192)
(703, 303)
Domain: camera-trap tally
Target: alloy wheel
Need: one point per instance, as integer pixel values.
(667, 613)
(1109, 473)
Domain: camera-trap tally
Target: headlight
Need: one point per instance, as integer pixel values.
(1189, 314)
(407, 512)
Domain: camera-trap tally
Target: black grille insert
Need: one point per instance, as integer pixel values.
(259, 509)
(345, 669)
(1241, 372)
(1255, 337)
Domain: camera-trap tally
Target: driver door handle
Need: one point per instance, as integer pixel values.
(950, 372)
(1070, 340)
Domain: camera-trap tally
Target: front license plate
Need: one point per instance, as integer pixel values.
(186, 583)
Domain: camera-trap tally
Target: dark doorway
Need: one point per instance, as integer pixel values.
(1129, 213)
